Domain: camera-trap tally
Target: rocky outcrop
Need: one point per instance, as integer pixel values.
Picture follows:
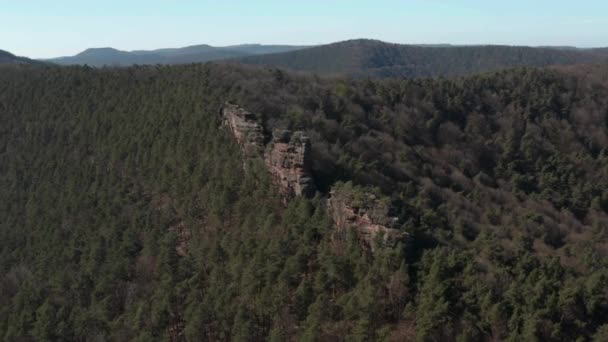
(245, 127)
(365, 213)
(288, 160)
(287, 155)
(183, 235)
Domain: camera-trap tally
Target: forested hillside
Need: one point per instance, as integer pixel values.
(128, 212)
(372, 58)
(8, 58)
(189, 54)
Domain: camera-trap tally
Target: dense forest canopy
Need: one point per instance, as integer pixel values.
(126, 213)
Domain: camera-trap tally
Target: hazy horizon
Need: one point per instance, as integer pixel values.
(290, 44)
(44, 30)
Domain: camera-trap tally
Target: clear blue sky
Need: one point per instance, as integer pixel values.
(47, 28)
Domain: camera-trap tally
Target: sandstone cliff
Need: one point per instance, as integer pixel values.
(287, 155)
(354, 208)
(245, 127)
(288, 160)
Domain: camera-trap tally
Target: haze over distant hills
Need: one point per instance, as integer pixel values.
(374, 58)
(358, 58)
(190, 54)
(8, 58)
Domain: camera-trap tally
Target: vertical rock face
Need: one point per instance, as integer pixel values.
(246, 129)
(366, 214)
(288, 160)
(287, 156)
(183, 237)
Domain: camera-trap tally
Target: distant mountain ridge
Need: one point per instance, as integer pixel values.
(358, 57)
(373, 58)
(189, 54)
(8, 58)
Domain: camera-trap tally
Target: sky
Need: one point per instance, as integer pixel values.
(52, 28)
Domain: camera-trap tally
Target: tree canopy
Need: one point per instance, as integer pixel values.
(500, 178)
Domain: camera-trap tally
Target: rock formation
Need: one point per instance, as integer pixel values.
(288, 160)
(246, 129)
(183, 237)
(366, 214)
(287, 156)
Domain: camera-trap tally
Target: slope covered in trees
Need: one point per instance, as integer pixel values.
(371, 58)
(185, 55)
(8, 58)
(499, 179)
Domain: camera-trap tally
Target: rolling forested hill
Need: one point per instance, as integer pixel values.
(8, 58)
(360, 58)
(127, 212)
(372, 58)
(185, 55)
